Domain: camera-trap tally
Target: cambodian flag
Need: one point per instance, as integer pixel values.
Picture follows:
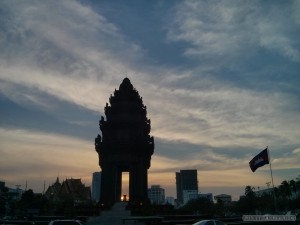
(260, 160)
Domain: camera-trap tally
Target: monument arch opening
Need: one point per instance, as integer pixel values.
(124, 146)
(125, 187)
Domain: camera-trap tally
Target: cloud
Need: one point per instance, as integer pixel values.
(288, 160)
(44, 156)
(58, 48)
(223, 117)
(205, 108)
(228, 28)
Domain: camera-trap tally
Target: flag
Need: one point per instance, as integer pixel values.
(259, 160)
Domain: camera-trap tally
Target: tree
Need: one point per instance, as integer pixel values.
(3, 200)
(200, 205)
(285, 189)
(293, 188)
(264, 203)
(27, 198)
(249, 193)
(247, 204)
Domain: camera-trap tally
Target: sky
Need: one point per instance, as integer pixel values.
(220, 80)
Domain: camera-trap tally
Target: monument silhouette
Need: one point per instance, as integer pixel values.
(125, 146)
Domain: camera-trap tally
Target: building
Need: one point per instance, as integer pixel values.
(76, 190)
(208, 196)
(189, 195)
(53, 190)
(9, 198)
(15, 193)
(262, 192)
(70, 188)
(170, 200)
(223, 198)
(96, 186)
(156, 195)
(186, 185)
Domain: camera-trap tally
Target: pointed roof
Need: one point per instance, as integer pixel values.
(75, 188)
(53, 189)
(126, 85)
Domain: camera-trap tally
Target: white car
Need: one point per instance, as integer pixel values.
(65, 222)
(209, 222)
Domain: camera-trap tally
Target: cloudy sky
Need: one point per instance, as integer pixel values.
(220, 80)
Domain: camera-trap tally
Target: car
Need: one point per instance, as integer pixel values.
(209, 222)
(65, 222)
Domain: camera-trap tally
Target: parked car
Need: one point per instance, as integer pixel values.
(209, 222)
(65, 222)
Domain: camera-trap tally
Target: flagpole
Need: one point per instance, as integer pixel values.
(274, 197)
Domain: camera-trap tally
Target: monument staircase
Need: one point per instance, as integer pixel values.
(111, 217)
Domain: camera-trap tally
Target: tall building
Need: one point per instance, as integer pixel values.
(186, 185)
(96, 186)
(156, 195)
